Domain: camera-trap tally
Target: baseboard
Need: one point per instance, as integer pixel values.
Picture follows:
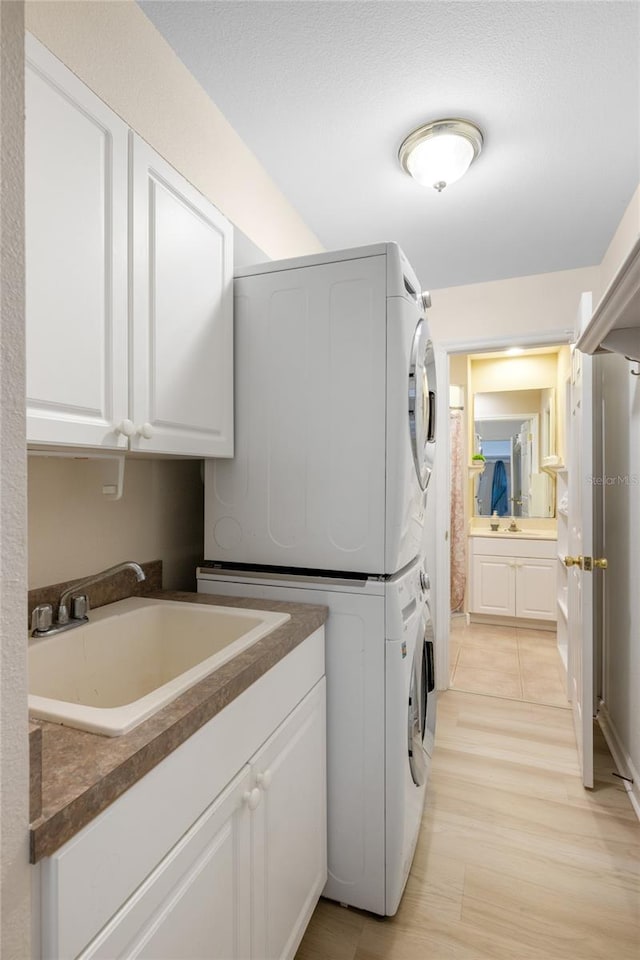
(621, 758)
(522, 622)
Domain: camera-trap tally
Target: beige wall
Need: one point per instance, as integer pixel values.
(626, 234)
(505, 309)
(120, 55)
(506, 403)
(74, 530)
(14, 755)
(530, 372)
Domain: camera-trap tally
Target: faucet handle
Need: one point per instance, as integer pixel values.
(80, 607)
(41, 618)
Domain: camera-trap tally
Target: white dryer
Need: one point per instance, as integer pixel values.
(381, 704)
(334, 415)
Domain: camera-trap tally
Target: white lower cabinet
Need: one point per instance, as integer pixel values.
(513, 578)
(289, 842)
(239, 882)
(196, 903)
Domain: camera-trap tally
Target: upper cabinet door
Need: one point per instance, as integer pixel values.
(182, 324)
(76, 259)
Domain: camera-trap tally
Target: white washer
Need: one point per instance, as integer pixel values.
(334, 417)
(380, 720)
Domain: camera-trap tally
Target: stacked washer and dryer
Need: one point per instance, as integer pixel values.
(324, 502)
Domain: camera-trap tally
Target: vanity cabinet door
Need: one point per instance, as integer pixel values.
(289, 836)
(536, 590)
(196, 903)
(493, 590)
(182, 323)
(76, 259)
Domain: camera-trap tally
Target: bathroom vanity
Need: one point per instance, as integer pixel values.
(513, 575)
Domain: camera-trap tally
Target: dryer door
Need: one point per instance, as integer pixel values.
(422, 403)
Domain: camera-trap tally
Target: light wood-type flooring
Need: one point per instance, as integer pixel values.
(515, 860)
(513, 662)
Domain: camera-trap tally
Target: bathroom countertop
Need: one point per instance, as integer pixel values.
(515, 534)
(80, 774)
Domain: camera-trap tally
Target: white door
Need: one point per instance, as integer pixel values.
(76, 259)
(580, 546)
(289, 830)
(182, 275)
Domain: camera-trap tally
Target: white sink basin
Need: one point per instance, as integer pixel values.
(134, 657)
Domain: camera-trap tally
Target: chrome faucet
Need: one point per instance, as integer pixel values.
(42, 617)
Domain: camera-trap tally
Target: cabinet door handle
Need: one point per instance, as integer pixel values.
(126, 427)
(145, 430)
(252, 798)
(264, 779)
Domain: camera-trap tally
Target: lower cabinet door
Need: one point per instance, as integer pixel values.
(536, 589)
(289, 830)
(493, 586)
(197, 901)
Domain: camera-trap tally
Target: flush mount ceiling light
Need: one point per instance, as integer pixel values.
(440, 152)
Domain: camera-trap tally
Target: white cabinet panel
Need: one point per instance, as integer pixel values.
(195, 904)
(76, 259)
(182, 372)
(536, 589)
(493, 586)
(289, 830)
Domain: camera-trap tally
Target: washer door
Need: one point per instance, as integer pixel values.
(422, 403)
(422, 702)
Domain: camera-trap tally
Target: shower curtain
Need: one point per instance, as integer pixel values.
(458, 539)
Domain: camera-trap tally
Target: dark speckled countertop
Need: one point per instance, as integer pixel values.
(82, 773)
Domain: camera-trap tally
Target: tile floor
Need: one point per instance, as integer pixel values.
(511, 662)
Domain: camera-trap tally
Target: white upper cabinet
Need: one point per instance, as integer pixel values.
(76, 259)
(129, 284)
(182, 373)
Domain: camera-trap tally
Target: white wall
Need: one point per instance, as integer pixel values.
(14, 768)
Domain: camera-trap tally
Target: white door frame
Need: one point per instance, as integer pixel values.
(442, 471)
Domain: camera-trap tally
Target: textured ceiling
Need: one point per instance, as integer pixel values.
(324, 92)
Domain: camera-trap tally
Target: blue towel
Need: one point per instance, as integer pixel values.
(499, 501)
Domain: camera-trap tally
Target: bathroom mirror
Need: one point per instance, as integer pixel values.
(514, 430)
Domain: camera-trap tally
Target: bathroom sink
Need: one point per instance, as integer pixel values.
(133, 657)
(519, 534)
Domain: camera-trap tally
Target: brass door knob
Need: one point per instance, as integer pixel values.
(573, 561)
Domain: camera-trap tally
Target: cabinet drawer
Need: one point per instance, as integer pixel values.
(518, 547)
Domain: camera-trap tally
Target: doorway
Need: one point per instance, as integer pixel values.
(503, 655)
